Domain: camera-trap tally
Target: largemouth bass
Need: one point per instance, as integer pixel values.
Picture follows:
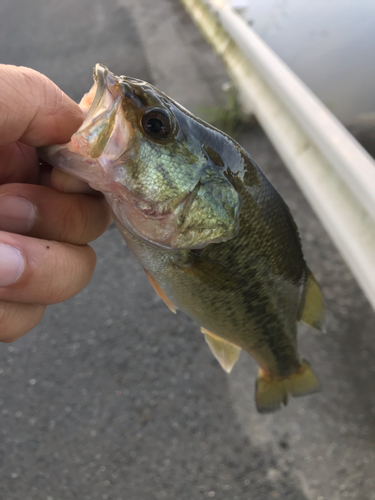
(215, 238)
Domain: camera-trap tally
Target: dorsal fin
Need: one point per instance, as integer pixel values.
(155, 285)
(225, 352)
(314, 308)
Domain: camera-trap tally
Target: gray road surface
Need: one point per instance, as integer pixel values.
(112, 397)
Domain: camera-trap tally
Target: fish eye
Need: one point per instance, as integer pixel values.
(157, 123)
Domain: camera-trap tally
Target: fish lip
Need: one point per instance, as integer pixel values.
(105, 134)
(105, 83)
(100, 74)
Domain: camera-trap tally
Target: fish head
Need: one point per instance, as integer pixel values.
(148, 155)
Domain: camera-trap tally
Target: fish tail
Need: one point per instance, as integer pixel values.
(272, 391)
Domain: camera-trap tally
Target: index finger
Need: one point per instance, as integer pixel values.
(33, 109)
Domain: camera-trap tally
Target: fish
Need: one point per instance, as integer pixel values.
(215, 238)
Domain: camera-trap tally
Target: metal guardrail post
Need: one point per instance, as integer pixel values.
(335, 173)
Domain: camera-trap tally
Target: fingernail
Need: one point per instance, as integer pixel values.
(17, 215)
(12, 264)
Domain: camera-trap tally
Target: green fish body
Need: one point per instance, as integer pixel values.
(215, 238)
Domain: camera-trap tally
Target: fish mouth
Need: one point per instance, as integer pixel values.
(101, 139)
(93, 100)
(104, 134)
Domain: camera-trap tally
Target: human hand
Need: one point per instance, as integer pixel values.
(46, 217)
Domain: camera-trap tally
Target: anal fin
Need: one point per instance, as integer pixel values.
(225, 352)
(155, 285)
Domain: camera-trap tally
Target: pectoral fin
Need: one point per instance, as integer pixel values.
(159, 292)
(225, 352)
(314, 309)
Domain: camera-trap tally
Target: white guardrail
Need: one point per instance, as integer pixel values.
(335, 173)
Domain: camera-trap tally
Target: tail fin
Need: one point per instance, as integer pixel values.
(271, 392)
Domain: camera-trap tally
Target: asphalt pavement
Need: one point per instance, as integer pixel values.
(112, 397)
